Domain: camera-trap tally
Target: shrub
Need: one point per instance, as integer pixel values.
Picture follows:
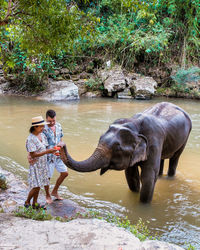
(183, 76)
(94, 84)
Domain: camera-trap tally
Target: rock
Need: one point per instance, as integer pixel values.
(114, 80)
(60, 91)
(56, 72)
(14, 195)
(65, 71)
(75, 78)
(3, 182)
(130, 77)
(126, 94)
(64, 208)
(92, 94)
(143, 88)
(67, 76)
(85, 75)
(3, 86)
(81, 87)
(108, 64)
(59, 78)
(88, 234)
(155, 244)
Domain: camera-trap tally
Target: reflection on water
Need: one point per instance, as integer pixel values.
(175, 209)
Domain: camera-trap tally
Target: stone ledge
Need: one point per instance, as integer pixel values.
(90, 234)
(77, 234)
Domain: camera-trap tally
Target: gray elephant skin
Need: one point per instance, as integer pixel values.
(145, 140)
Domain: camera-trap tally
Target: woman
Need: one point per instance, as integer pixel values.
(36, 144)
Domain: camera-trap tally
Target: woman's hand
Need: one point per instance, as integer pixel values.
(31, 160)
(51, 151)
(34, 154)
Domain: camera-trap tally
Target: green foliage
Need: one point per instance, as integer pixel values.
(183, 19)
(129, 37)
(94, 84)
(190, 247)
(180, 88)
(28, 71)
(183, 76)
(46, 26)
(34, 214)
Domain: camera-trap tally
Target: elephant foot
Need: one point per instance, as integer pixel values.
(171, 173)
(135, 189)
(145, 198)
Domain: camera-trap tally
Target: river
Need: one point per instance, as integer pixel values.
(174, 214)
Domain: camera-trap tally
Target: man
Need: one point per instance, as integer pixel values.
(54, 134)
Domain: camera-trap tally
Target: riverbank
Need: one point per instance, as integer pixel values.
(107, 81)
(76, 234)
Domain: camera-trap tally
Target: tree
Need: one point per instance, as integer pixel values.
(183, 18)
(45, 26)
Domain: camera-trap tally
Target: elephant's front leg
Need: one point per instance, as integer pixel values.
(148, 179)
(149, 175)
(133, 179)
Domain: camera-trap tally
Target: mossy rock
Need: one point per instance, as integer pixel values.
(3, 182)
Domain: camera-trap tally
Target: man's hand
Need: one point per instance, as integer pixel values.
(30, 159)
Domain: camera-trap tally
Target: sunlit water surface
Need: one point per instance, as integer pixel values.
(174, 213)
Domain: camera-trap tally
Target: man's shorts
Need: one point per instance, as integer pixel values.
(58, 164)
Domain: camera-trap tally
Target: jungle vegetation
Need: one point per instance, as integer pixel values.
(37, 37)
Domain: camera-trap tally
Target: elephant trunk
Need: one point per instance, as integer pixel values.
(96, 161)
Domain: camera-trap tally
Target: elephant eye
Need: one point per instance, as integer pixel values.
(135, 145)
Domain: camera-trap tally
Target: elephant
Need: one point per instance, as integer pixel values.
(144, 140)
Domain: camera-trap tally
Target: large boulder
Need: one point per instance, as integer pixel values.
(113, 79)
(86, 234)
(60, 91)
(143, 87)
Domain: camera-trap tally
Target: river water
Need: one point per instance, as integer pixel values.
(174, 214)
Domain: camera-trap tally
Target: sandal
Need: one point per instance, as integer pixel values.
(38, 206)
(27, 205)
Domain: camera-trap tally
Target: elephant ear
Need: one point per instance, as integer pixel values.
(140, 152)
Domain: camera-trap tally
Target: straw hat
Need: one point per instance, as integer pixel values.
(38, 121)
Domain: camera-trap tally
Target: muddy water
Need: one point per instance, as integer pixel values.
(174, 213)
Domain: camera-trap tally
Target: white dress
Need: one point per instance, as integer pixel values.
(38, 172)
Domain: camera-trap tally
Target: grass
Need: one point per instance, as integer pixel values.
(34, 214)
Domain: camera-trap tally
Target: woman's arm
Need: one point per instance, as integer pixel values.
(48, 151)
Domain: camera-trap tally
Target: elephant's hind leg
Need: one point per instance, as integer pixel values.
(173, 162)
(133, 179)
